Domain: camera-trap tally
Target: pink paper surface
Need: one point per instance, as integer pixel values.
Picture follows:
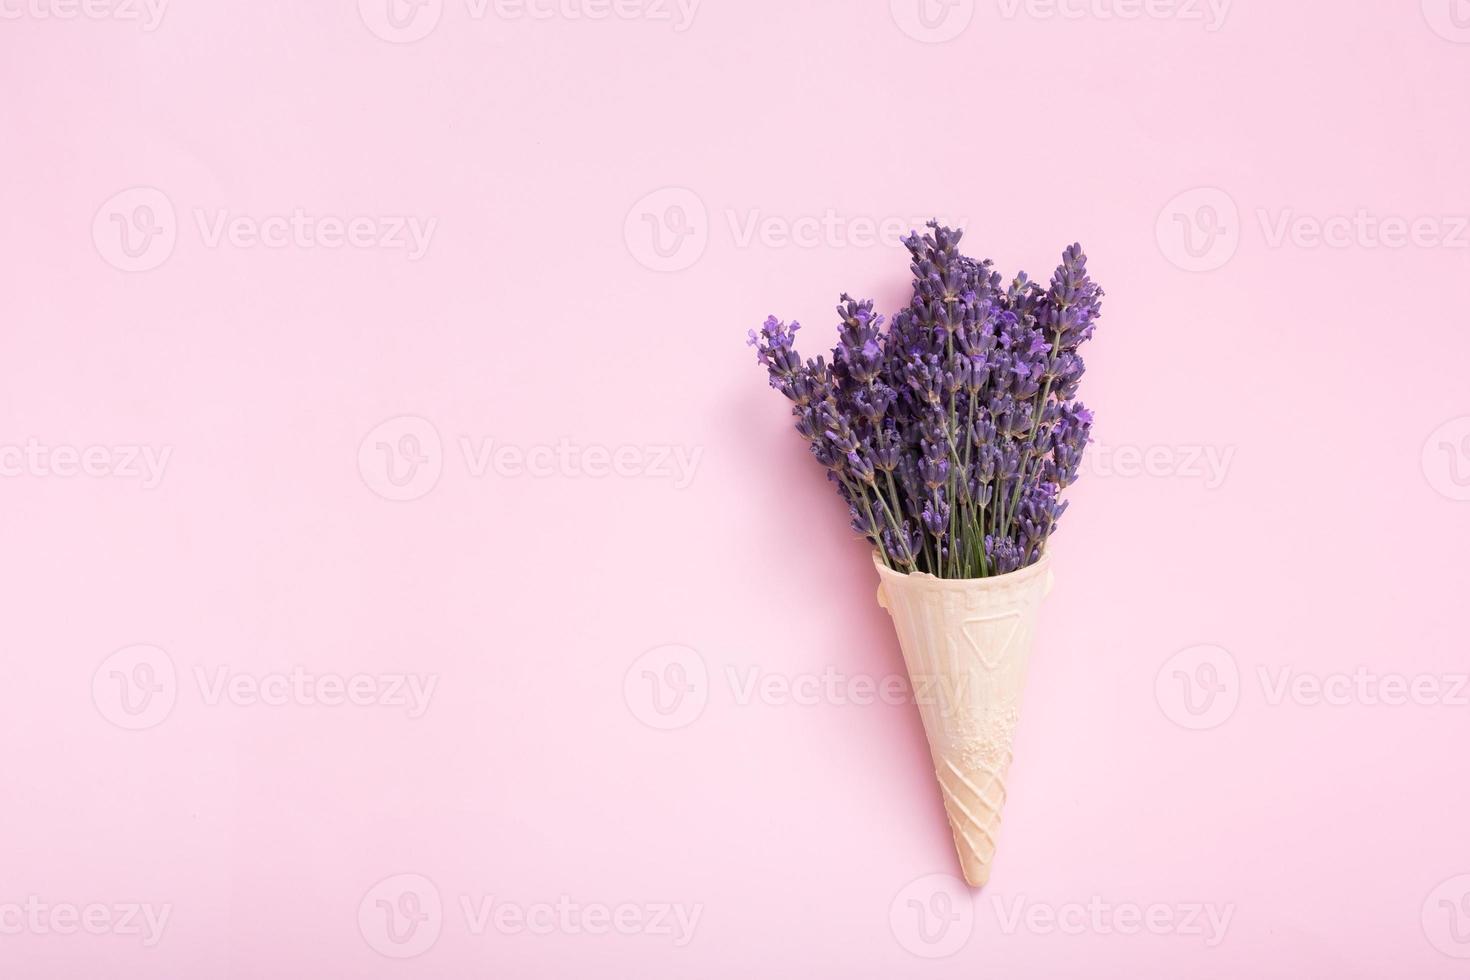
(408, 573)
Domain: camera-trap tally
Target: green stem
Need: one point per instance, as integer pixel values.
(877, 536)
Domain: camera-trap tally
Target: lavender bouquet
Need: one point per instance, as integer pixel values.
(952, 435)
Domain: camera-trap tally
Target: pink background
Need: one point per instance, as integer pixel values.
(547, 151)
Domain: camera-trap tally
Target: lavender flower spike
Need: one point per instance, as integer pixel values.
(952, 434)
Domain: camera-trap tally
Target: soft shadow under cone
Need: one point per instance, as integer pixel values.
(966, 643)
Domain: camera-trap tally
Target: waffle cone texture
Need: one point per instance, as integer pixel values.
(966, 643)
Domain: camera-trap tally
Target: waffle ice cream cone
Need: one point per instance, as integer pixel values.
(966, 643)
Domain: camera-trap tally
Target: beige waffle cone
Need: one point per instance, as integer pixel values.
(966, 643)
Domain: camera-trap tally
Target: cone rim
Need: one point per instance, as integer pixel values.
(1020, 576)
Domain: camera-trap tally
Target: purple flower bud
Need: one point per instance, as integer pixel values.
(936, 516)
(860, 468)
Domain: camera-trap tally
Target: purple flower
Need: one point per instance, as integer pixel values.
(951, 434)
